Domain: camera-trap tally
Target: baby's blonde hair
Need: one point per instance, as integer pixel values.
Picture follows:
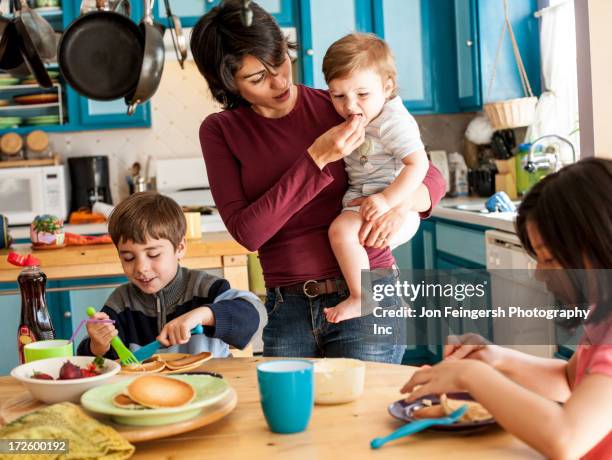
(360, 51)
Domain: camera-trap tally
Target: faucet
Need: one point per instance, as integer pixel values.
(550, 159)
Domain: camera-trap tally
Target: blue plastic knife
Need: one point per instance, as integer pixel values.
(149, 350)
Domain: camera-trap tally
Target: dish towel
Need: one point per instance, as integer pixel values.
(88, 438)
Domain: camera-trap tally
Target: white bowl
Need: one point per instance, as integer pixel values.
(53, 391)
(338, 380)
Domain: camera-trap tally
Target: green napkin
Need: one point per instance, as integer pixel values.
(88, 438)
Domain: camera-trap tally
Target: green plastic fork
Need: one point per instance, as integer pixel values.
(124, 353)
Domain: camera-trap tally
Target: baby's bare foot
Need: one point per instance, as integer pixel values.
(347, 309)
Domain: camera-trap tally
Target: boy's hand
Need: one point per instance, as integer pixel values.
(178, 331)
(100, 334)
(374, 206)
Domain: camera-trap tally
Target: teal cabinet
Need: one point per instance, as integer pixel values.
(190, 11)
(478, 27)
(10, 306)
(322, 23)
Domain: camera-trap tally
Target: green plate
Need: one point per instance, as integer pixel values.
(8, 81)
(209, 390)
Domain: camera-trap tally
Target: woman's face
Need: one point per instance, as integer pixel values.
(269, 90)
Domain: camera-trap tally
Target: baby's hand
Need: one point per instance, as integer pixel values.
(374, 206)
(178, 331)
(100, 334)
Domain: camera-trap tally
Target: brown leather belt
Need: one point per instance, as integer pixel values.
(314, 288)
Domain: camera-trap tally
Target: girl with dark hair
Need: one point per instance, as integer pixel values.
(273, 158)
(565, 222)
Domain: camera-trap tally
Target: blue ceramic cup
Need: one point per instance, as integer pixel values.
(286, 388)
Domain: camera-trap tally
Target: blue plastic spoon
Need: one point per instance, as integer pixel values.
(419, 425)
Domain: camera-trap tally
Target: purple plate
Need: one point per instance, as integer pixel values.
(404, 411)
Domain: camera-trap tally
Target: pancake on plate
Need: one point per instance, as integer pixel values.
(188, 361)
(125, 402)
(146, 366)
(475, 412)
(158, 391)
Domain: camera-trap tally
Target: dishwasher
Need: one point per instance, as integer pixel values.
(511, 272)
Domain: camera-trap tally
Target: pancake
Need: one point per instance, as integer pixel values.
(475, 412)
(188, 361)
(146, 366)
(435, 411)
(125, 402)
(157, 391)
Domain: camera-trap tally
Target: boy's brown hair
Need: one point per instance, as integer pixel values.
(359, 51)
(147, 214)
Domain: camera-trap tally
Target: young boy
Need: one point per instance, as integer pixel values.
(387, 168)
(163, 300)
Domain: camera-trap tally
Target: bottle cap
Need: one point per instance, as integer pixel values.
(22, 260)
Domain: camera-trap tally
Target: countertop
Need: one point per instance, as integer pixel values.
(214, 250)
(499, 220)
(334, 431)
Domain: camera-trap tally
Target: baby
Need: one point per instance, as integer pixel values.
(389, 165)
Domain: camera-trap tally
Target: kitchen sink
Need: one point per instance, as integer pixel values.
(475, 207)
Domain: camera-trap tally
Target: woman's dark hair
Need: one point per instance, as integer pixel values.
(220, 41)
(572, 211)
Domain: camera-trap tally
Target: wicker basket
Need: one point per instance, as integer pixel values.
(513, 113)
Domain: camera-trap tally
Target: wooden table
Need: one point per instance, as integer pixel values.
(341, 432)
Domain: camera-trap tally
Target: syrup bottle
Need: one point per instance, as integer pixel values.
(35, 323)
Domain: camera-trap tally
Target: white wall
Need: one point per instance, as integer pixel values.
(178, 107)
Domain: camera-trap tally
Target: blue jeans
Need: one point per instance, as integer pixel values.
(297, 327)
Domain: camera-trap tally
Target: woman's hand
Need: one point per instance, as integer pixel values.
(445, 377)
(378, 232)
(338, 142)
(178, 331)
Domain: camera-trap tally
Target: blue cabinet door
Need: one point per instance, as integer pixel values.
(478, 27)
(86, 114)
(10, 306)
(190, 11)
(322, 23)
(467, 43)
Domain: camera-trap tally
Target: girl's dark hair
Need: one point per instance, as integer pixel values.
(572, 210)
(220, 41)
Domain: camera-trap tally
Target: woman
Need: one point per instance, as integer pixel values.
(272, 158)
(565, 222)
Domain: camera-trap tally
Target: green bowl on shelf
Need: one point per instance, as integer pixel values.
(43, 120)
(10, 122)
(8, 81)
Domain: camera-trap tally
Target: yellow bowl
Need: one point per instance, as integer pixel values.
(338, 380)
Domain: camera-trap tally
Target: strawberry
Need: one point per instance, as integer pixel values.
(87, 373)
(41, 376)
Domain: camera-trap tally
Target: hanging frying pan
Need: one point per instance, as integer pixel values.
(28, 49)
(11, 59)
(152, 62)
(101, 53)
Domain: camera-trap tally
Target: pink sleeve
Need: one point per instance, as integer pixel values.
(600, 361)
(434, 181)
(252, 224)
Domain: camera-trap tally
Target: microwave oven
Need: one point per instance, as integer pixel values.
(28, 192)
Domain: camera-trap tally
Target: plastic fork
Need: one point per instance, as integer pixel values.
(125, 355)
(419, 425)
(146, 351)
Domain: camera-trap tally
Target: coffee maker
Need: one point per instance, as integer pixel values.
(90, 181)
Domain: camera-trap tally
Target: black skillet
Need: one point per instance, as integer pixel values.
(152, 62)
(11, 59)
(100, 54)
(28, 50)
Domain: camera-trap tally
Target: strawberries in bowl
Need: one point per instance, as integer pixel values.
(64, 379)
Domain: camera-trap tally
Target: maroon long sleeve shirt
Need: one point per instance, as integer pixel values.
(271, 195)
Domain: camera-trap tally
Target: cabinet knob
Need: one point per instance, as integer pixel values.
(67, 314)
(310, 52)
(469, 43)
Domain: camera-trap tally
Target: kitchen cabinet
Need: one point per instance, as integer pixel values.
(478, 26)
(190, 11)
(10, 303)
(322, 23)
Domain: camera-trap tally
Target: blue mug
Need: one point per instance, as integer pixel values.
(286, 389)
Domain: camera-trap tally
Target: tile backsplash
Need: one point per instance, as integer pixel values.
(178, 107)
